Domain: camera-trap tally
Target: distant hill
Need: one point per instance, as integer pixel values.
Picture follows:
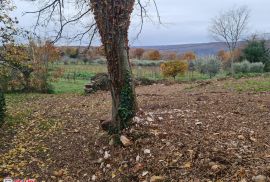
(201, 49)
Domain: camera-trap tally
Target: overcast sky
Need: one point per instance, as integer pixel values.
(183, 21)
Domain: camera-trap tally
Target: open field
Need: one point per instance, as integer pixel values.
(208, 131)
(77, 75)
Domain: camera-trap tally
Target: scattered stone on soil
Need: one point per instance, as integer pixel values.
(125, 141)
(63, 132)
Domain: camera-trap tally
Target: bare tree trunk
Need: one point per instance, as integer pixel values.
(232, 61)
(113, 20)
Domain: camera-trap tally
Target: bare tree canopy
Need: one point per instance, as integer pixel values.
(230, 26)
(79, 14)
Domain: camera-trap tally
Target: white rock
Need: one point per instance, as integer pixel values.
(101, 165)
(101, 151)
(107, 155)
(94, 178)
(241, 137)
(147, 151)
(160, 118)
(157, 179)
(259, 178)
(112, 142)
(125, 141)
(137, 119)
(145, 173)
(150, 119)
(138, 158)
(253, 139)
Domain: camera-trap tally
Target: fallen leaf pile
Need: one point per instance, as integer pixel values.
(204, 133)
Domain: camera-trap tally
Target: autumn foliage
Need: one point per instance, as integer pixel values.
(153, 55)
(173, 68)
(225, 56)
(26, 67)
(72, 52)
(189, 56)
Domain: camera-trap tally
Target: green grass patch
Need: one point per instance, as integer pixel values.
(256, 85)
(69, 86)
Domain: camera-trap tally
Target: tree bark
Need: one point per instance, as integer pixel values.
(232, 61)
(113, 20)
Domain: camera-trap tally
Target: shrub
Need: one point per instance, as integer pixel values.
(189, 56)
(72, 52)
(257, 67)
(210, 66)
(247, 67)
(2, 107)
(257, 51)
(146, 63)
(152, 55)
(173, 68)
(242, 67)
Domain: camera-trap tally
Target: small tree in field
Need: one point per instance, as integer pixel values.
(210, 66)
(138, 53)
(230, 27)
(189, 56)
(223, 55)
(154, 55)
(42, 55)
(173, 68)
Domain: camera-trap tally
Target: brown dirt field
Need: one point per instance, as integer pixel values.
(181, 133)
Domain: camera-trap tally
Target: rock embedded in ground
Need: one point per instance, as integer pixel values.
(215, 167)
(149, 119)
(138, 158)
(157, 179)
(94, 178)
(107, 155)
(125, 141)
(241, 137)
(138, 167)
(145, 173)
(147, 151)
(259, 178)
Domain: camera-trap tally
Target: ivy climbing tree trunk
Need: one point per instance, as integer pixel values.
(113, 20)
(2, 107)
